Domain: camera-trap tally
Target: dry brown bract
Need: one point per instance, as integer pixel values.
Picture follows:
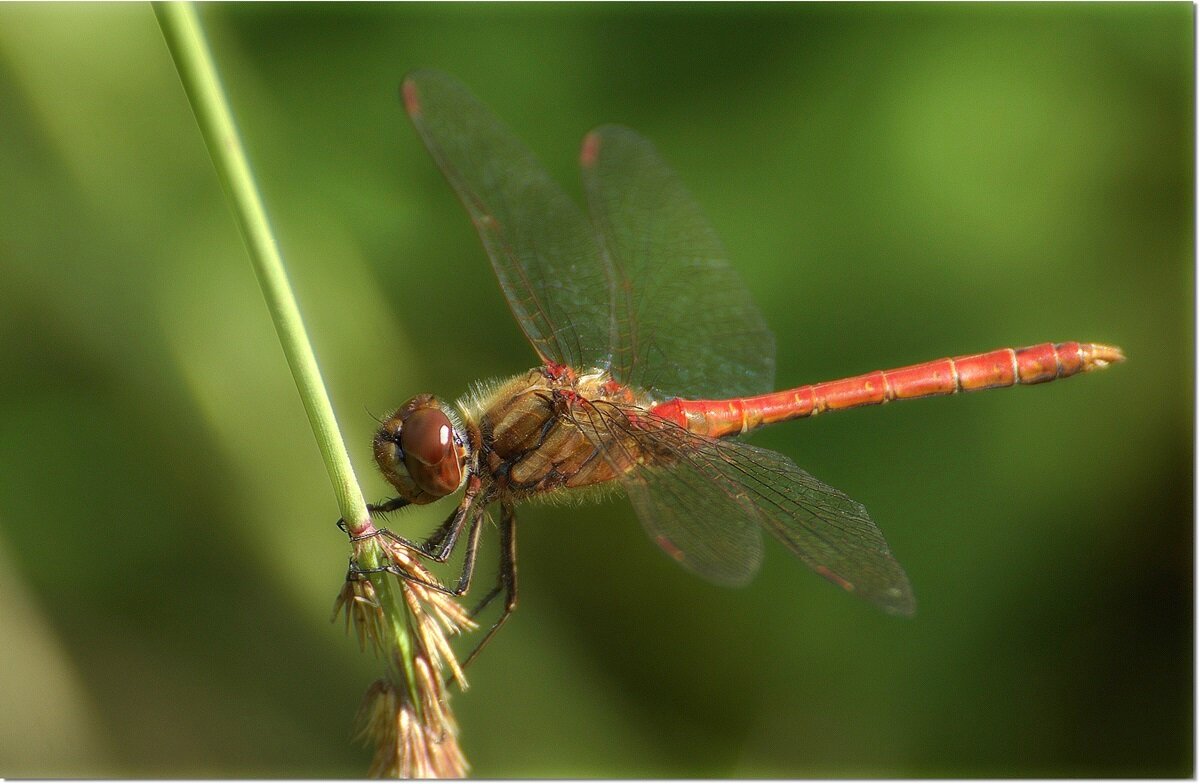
(406, 714)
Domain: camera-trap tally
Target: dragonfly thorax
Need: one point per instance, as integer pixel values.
(421, 450)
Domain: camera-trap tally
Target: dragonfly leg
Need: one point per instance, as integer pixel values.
(507, 580)
(440, 543)
(468, 569)
(390, 505)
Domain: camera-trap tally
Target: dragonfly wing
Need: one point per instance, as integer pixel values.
(540, 243)
(684, 321)
(699, 516)
(831, 533)
(698, 523)
(707, 497)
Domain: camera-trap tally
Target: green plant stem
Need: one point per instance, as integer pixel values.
(185, 38)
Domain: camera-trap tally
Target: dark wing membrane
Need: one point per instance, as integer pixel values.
(705, 496)
(541, 246)
(685, 323)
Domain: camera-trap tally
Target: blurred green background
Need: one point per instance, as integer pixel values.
(896, 183)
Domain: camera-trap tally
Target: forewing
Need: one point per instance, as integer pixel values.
(541, 246)
(703, 500)
(685, 324)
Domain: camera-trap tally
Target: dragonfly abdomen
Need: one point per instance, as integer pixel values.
(1004, 367)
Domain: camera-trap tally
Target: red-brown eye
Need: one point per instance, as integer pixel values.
(428, 436)
(419, 451)
(429, 452)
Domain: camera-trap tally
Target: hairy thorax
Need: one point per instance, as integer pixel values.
(550, 429)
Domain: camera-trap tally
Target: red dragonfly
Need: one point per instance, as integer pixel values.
(654, 360)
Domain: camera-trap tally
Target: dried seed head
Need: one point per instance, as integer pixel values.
(357, 600)
(406, 744)
(406, 715)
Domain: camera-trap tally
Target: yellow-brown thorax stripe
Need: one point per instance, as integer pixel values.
(538, 433)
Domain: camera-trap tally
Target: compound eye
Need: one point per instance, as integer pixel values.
(427, 436)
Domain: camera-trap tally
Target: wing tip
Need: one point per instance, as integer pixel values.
(897, 600)
(905, 607)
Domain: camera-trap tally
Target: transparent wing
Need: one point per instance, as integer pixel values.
(701, 517)
(542, 248)
(703, 500)
(684, 322)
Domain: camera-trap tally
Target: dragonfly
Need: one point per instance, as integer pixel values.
(653, 362)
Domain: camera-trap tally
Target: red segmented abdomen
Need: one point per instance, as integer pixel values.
(1004, 367)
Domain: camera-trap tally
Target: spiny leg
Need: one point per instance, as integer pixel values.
(491, 595)
(440, 543)
(468, 569)
(507, 579)
(390, 505)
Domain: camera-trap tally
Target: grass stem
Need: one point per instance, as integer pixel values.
(405, 713)
(185, 37)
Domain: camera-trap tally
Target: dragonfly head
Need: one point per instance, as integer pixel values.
(421, 451)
